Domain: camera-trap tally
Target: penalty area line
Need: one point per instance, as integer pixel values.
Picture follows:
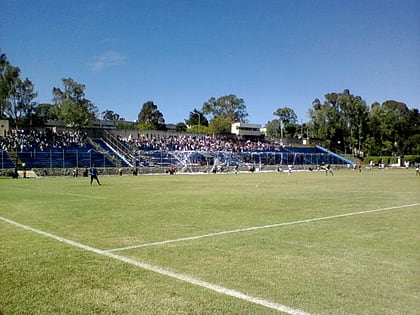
(165, 272)
(80, 195)
(253, 228)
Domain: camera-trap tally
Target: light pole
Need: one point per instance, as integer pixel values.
(281, 131)
(199, 120)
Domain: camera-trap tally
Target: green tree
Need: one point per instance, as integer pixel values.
(226, 106)
(376, 131)
(110, 115)
(220, 125)
(9, 80)
(396, 121)
(393, 129)
(354, 113)
(412, 143)
(71, 106)
(181, 127)
(199, 129)
(4, 84)
(223, 112)
(340, 121)
(275, 131)
(42, 113)
(286, 114)
(16, 96)
(146, 126)
(324, 123)
(285, 126)
(150, 117)
(196, 118)
(21, 102)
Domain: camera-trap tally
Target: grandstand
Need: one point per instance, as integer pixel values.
(187, 153)
(6, 161)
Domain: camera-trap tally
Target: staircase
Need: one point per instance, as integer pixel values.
(29, 174)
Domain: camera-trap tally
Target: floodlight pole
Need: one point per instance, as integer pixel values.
(281, 131)
(199, 120)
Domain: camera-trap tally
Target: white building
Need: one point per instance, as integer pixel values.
(241, 129)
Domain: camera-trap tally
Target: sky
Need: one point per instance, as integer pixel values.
(180, 53)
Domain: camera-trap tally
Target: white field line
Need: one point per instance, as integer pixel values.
(380, 192)
(81, 195)
(190, 238)
(65, 193)
(166, 272)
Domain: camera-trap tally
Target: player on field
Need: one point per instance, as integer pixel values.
(94, 174)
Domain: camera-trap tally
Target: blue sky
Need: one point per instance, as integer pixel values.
(179, 53)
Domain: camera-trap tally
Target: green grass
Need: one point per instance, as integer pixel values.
(360, 264)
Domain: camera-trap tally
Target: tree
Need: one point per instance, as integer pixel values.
(393, 129)
(323, 123)
(110, 115)
(396, 120)
(274, 129)
(224, 111)
(375, 135)
(21, 101)
(220, 125)
(71, 106)
(16, 96)
(9, 80)
(150, 117)
(226, 106)
(286, 114)
(197, 122)
(412, 144)
(355, 115)
(181, 127)
(42, 113)
(4, 84)
(340, 121)
(196, 118)
(285, 126)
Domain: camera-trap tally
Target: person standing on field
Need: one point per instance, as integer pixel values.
(94, 175)
(328, 170)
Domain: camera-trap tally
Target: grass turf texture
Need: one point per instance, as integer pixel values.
(360, 264)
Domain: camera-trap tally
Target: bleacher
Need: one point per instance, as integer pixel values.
(183, 151)
(105, 148)
(162, 158)
(69, 157)
(284, 156)
(6, 161)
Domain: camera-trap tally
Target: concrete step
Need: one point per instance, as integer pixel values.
(29, 174)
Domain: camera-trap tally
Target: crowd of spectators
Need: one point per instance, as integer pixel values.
(197, 143)
(24, 140)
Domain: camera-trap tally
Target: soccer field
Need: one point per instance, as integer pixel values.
(262, 243)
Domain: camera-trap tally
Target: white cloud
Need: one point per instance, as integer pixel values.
(106, 60)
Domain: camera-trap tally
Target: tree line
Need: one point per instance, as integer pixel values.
(342, 121)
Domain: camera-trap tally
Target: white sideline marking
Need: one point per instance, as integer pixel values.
(65, 193)
(165, 272)
(258, 228)
(80, 195)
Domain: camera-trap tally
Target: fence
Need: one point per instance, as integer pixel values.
(64, 158)
(6, 161)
